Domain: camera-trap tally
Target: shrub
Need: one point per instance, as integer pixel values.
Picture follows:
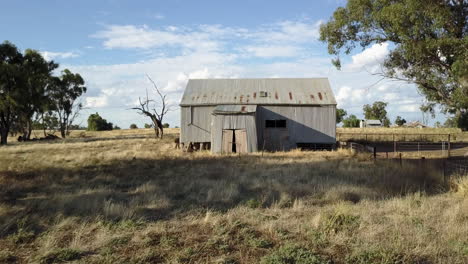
(148, 126)
(97, 123)
(253, 203)
(133, 126)
(291, 253)
(166, 125)
(341, 222)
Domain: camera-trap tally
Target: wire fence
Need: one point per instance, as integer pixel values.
(426, 155)
(458, 167)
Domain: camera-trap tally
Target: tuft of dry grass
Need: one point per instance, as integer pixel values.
(119, 199)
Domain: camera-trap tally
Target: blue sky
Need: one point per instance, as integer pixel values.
(114, 43)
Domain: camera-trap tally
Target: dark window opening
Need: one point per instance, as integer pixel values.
(280, 123)
(270, 123)
(275, 123)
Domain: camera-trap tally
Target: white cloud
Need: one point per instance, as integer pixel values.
(369, 59)
(273, 51)
(211, 37)
(179, 53)
(96, 102)
(158, 16)
(143, 37)
(49, 55)
(409, 108)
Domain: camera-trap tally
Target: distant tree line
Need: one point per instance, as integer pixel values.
(377, 111)
(31, 96)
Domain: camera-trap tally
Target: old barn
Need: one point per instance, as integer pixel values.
(247, 115)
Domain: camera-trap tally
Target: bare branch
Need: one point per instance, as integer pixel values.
(155, 115)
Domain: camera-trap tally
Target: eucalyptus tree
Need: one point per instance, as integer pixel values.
(10, 87)
(64, 93)
(428, 40)
(37, 75)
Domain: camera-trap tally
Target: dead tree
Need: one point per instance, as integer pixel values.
(148, 108)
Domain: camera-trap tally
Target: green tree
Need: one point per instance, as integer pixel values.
(351, 121)
(377, 111)
(429, 41)
(48, 123)
(400, 121)
(450, 122)
(340, 114)
(148, 125)
(97, 123)
(133, 126)
(65, 91)
(166, 125)
(36, 74)
(10, 87)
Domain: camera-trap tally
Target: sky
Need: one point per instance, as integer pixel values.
(114, 44)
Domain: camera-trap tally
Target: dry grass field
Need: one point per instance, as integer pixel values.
(124, 197)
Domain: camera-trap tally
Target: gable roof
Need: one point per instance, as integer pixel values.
(284, 91)
(372, 122)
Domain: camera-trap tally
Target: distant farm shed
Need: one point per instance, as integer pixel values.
(370, 123)
(247, 115)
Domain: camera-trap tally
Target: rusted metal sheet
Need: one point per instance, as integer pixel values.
(281, 91)
(234, 109)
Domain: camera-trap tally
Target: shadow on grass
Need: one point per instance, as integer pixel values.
(168, 187)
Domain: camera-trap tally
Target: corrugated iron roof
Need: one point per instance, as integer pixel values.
(277, 91)
(235, 109)
(373, 122)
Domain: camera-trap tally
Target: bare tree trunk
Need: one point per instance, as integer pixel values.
(162, 131)
(28, 129)
(156, 131)
(44, 125)
(62, 130)
(3, 135)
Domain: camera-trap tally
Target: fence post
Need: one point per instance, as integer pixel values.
(401, 162)
(375, 153)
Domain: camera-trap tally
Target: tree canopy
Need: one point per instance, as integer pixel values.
(29, 93)
(429, 40)
(351, 121)
(400, 121)
(377, 111)
(97, 123)
(340, 114)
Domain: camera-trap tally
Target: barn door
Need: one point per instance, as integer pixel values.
(241, 140)
(228, 138)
